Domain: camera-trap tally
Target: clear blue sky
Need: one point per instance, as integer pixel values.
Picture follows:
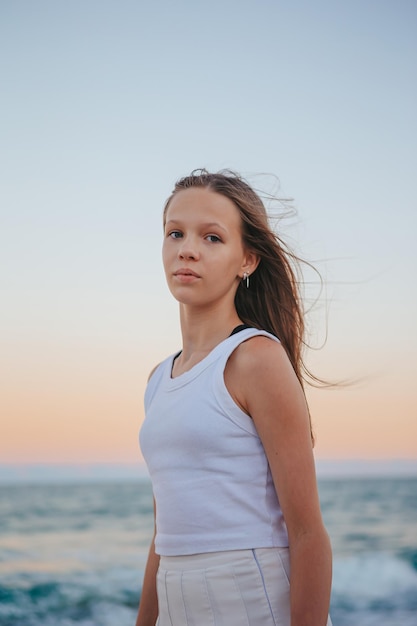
(104, 104)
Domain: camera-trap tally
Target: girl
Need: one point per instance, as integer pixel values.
(239, 538)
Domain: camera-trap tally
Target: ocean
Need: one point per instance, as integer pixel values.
(75, 553)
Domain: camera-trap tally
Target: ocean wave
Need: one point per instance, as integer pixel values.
(86, 600)
(374, 581)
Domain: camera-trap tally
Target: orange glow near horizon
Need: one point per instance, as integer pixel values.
(89, 410)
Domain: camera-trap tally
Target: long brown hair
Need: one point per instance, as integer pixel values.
(273, 302)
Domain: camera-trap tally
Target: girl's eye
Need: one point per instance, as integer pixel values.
(175, 234)
(213, 238)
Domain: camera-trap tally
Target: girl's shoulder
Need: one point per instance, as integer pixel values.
(259, 368)
(260, 363)
(153, 370)
(258, 351)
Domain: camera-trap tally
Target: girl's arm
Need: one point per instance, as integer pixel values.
(148, 606)
(262, 381)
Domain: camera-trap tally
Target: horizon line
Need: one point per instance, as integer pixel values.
(50, 472)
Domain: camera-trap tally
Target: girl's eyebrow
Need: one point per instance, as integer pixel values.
(205, 225)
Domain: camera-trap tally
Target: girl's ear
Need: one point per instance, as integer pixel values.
(251, 262)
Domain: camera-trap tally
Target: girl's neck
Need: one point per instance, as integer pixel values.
(203, 331)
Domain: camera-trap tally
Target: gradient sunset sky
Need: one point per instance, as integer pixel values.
(104, 104)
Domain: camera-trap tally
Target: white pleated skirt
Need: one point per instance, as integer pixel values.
(235, 588)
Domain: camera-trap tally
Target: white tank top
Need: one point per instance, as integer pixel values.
(211, 480)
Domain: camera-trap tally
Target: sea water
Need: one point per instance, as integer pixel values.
(75, 554)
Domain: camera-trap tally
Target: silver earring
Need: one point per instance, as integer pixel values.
(246, 278)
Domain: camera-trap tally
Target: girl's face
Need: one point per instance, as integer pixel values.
(203, 253)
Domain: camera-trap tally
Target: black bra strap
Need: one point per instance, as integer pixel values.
(239, 328)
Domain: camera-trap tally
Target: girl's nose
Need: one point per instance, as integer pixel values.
(188, 250)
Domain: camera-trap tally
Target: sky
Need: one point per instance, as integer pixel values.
(104, 105)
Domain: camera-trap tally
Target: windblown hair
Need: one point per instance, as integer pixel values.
(273, 301)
